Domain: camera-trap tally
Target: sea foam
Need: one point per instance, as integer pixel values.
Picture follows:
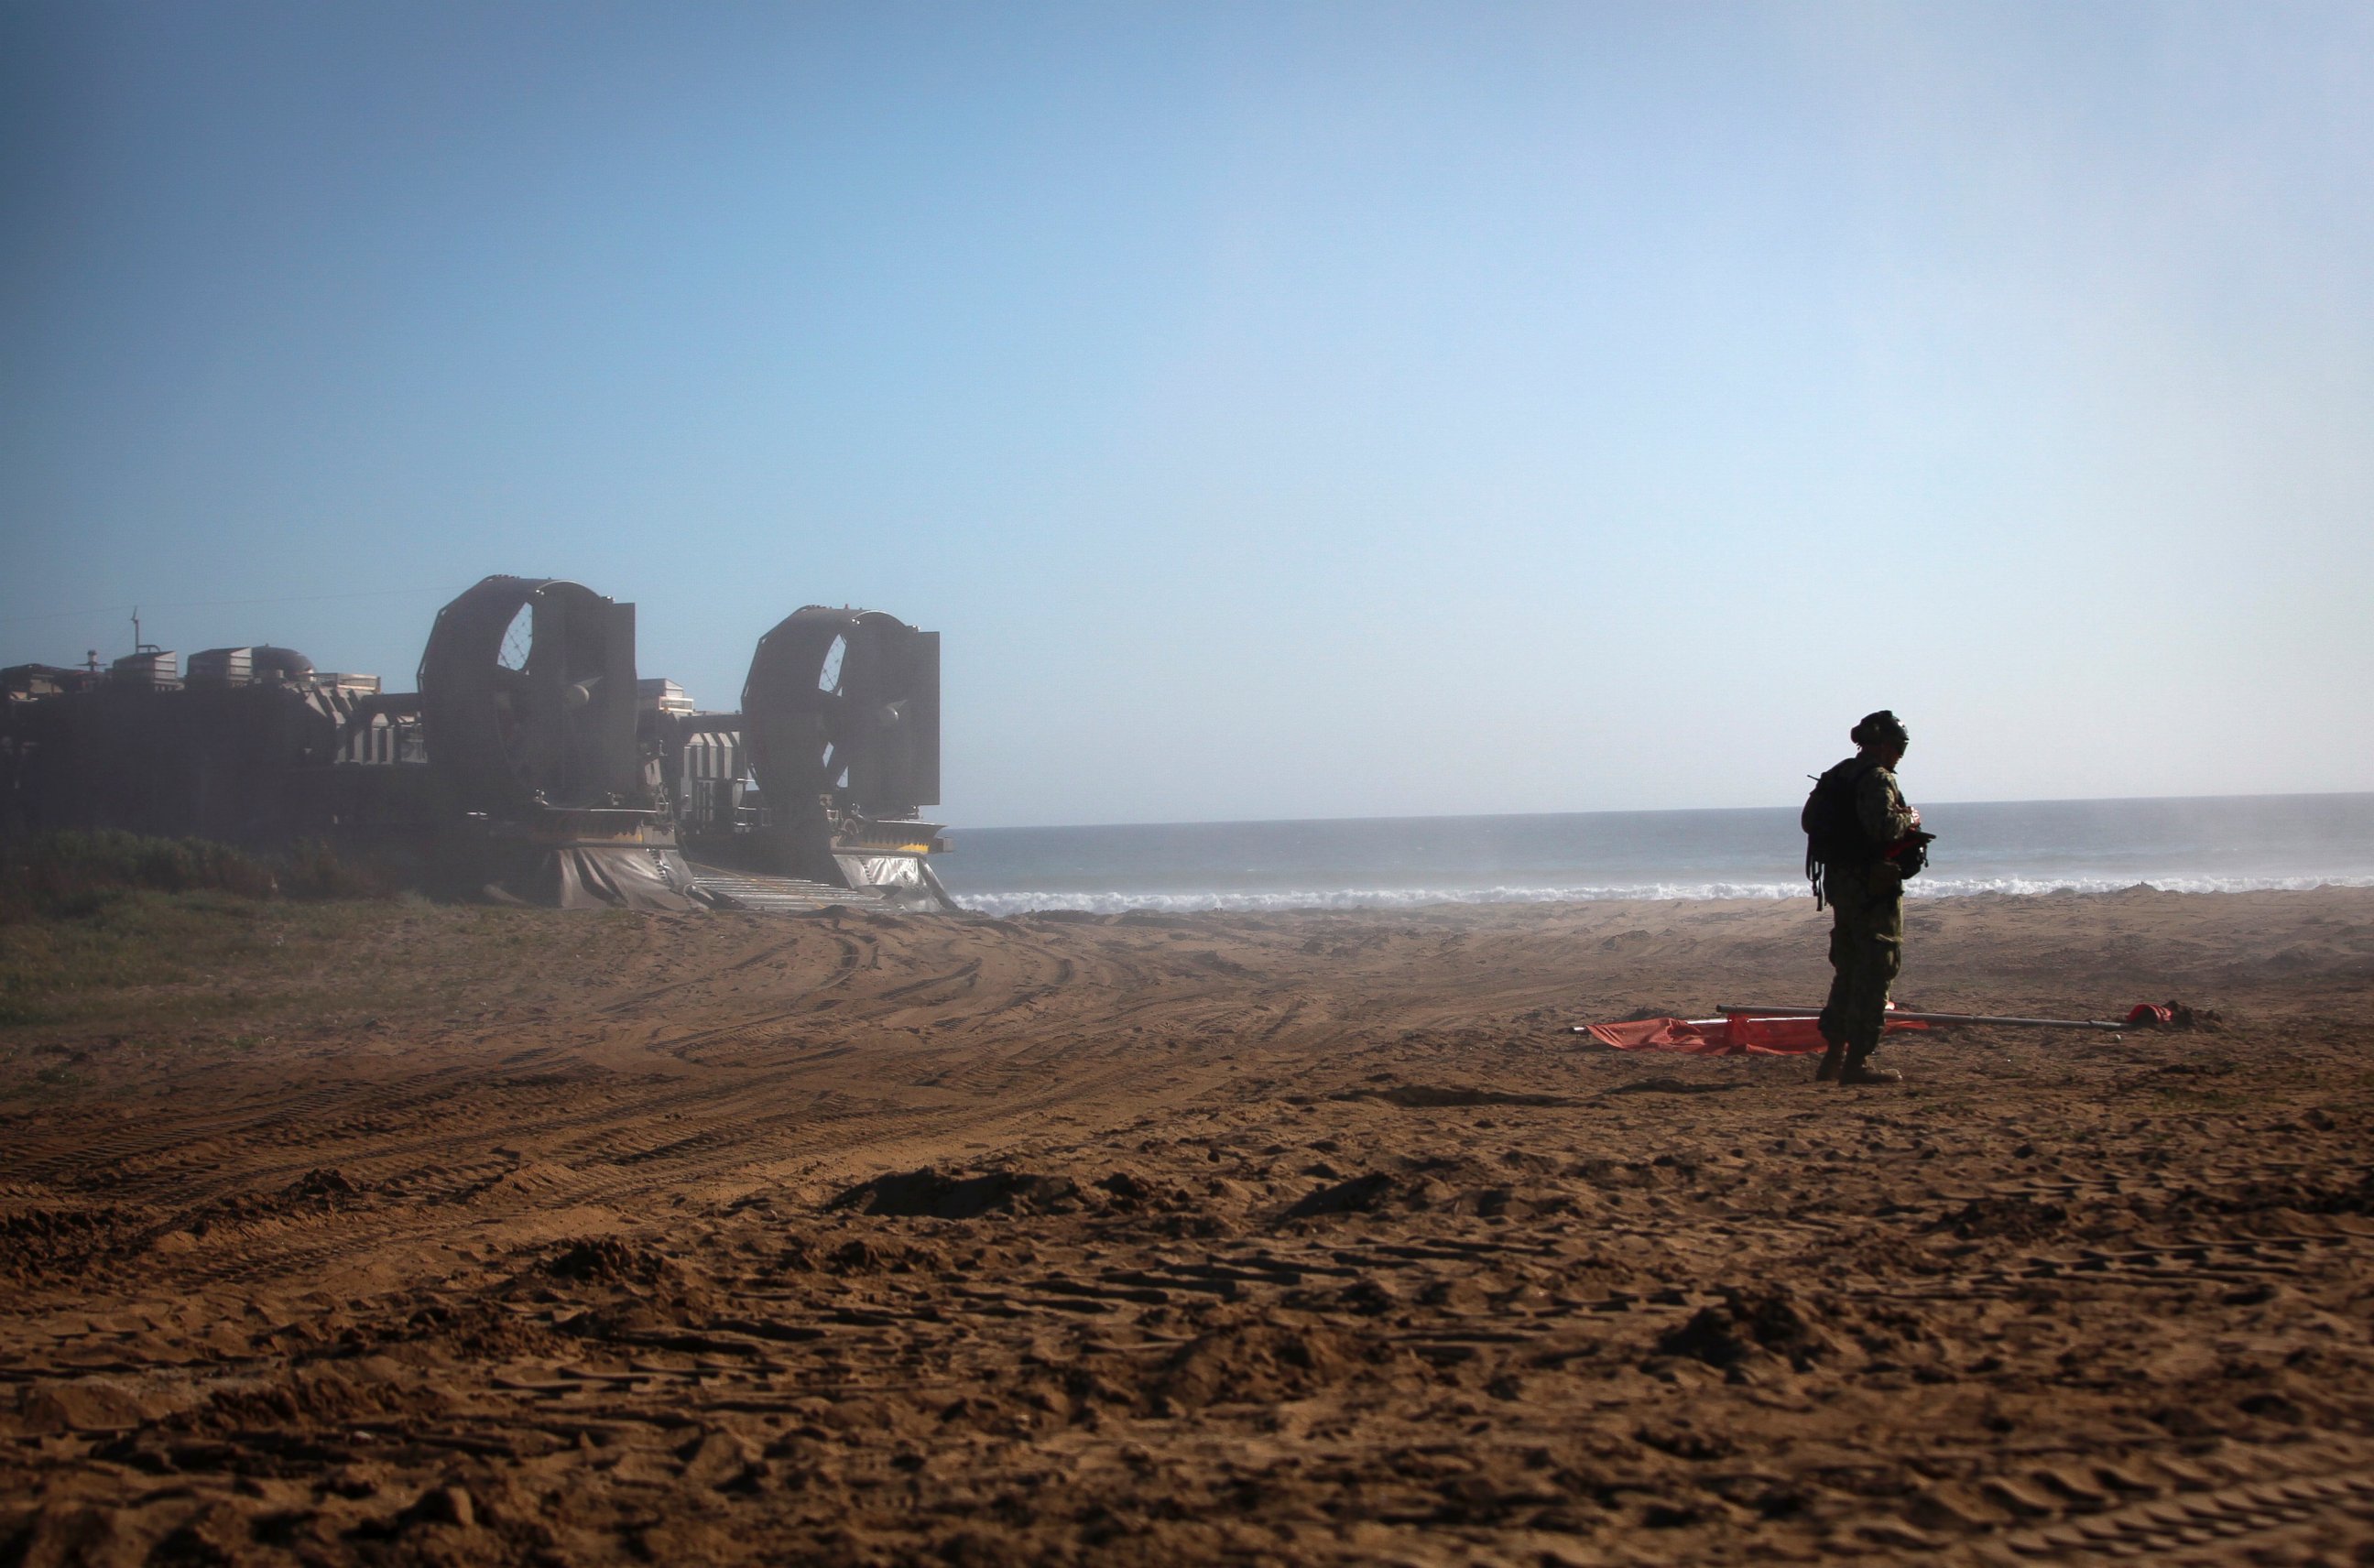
(1023, 902)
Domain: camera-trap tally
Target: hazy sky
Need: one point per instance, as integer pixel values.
(1282, 410)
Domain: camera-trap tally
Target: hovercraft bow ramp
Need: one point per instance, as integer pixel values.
(764, 894)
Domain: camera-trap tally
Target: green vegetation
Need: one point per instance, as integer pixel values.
(114, 976)
(76, 875)
(179, 956)
(114, 942)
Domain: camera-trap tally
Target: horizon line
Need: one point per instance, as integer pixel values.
(1636, 811)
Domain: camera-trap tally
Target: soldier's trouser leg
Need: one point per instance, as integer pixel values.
(1832, 1023)
(1872, 937)
(1843, 961)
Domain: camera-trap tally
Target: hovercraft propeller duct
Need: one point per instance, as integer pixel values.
(527, 697)
(527, 705)
(841, 718)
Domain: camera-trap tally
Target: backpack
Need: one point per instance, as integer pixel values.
(1834, 832)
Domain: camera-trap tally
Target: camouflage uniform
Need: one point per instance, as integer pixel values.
(1867, 921)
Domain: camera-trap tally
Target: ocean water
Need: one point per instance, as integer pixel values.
(2208, 845)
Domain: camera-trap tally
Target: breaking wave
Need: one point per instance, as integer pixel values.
(1004, 904)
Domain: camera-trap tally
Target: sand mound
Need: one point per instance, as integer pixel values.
(930, 1193)
(2019, 1219)
(38, 1243)
(327, 1183)
(1258, 1362)
(1442, 1186)
(1745, 1322)
(608, 1261)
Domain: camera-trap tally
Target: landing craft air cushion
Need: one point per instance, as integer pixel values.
(530, 764)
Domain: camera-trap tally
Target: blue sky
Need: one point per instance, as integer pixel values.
(1282, 410)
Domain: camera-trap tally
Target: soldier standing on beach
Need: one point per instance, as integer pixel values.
(1859, 831)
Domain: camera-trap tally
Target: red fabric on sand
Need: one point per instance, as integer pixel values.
(1738, 1035)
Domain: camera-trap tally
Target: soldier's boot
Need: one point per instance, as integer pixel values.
(1858, 1073)
(1834, 1061)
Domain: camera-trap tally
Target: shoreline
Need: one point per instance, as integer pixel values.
(1789, 807)
(1003, 904)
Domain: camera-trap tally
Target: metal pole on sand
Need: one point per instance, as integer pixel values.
(1741, 1010)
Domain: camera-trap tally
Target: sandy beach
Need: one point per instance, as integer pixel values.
(478, 1236)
